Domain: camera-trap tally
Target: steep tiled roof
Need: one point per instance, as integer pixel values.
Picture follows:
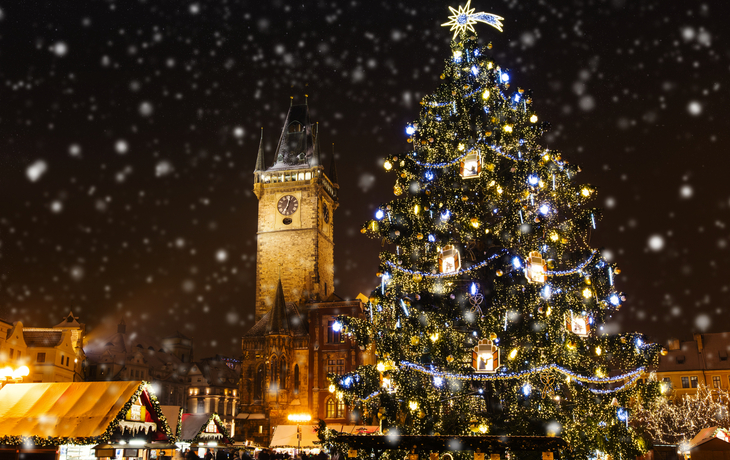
(42, 338)
(297, 322)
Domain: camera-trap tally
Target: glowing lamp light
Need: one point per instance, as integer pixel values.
(337, 326)
(598, 351)
(445, 216)
(547, 292)
(434, 337)
(332, 388)
(483, 428)
(413, 405)
(380, 366)
(485, 94)
(614, 300)
(410, 130)
(475, 70)
(347, 382)
(507, 128)
(457, 56)
(622, 414)
(388, 165)
(449, 259)
(299, 418)
(585, 192)
(429, 175)
(461, 147)
(517, 98)
(533, 180)
(554, 236)
(505, 77)
(639, 342)
(137, 442)
(438, 381)
(473, 289)
(379, 214)
(544, 209)
(587, 293)
(533, 119)
(526, 389)
(516, 262)
(513, 353)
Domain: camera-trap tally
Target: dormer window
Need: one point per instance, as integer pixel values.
(295, 127)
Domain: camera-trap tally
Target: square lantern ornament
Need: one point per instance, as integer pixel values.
(536, 268)
(471, 166)
(485, 357)
(577, 324)
(449, 259)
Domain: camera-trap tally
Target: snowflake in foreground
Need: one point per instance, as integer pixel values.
(464, 19)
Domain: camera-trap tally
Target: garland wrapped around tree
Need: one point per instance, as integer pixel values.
(488, 316)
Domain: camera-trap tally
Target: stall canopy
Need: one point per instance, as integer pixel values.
(711, 439)
(203, 428)
(173, 415)
(285, 436)
(79, 412)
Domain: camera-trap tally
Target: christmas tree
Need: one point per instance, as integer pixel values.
(488, 316)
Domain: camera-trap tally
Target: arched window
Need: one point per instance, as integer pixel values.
(282, 374)
(258, 386)
(274, 373)
(296, 379)
(335, 408)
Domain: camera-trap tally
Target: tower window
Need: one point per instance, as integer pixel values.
(332, 335)
(336, 366)
(296, 379)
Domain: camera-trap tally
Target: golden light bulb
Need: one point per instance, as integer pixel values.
(332, 388)
(587, 293)
(461, 147)
(554, 236)
(416, 208)
(380, 367)
(598, 351)
(457, 54)
(490, 65)
(585, 192)
(388, 165)
(513, 353)
(485, 95)
(413, 405)
(533, 119)
(434, 336)
(507, 128)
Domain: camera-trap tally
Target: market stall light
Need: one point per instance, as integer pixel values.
(137, 442)
(299, 418)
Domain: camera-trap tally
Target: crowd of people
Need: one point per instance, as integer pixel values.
(265, 454)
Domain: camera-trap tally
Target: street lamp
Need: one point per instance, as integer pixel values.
(10, 375)
(299, 419)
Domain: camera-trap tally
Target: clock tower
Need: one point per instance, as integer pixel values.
(297, 201)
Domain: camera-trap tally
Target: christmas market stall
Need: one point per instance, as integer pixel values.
(285, 436)
(709, 444)
(202, 432)
(82, 420)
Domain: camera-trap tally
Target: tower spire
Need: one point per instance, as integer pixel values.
(333, 169)
(279, 319)
(316, 155)
(260, 160)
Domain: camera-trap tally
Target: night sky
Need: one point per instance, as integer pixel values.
(129, 132)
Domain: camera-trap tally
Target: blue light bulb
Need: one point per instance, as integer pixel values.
(438, 381)
(615, 300)
(429, 175)
(475, 70)
(526, 389)
(337, 326)
(547, 291)
(431, 238)
(516, 262)
(379, 214)
(517, 98)
(410, 130)
(505, 77)
(544, 209)
(533, 180)
(473, 289)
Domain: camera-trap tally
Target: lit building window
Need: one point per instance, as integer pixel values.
(685, 382)
(336, 366)
(716, 381)
(693, 381)
(335, 408)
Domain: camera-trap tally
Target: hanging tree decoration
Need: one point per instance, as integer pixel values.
(449, 259)
(485, 357)
(471, 165)
(577, 324)
(536, 268)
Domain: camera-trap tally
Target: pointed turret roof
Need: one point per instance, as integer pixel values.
(69, 321)
(296, 144)
(333, 168)
(260, 158)
(279, 319)
(316, 157)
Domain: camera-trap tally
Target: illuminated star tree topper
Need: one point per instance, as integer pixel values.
(464, 19)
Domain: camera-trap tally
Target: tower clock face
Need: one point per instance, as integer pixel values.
(326, 213)
(288, 205)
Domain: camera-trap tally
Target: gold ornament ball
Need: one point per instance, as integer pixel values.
(664, 352)
(415, 340)
(363, 230)
(419, 236)
(450, 358)
(417, 277)
(492, 336)
(499, 272)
